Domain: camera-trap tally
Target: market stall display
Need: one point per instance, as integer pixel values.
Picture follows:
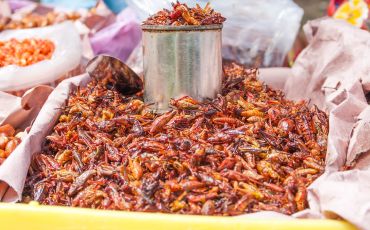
(246, 151)
(321, 198)
(276, 143)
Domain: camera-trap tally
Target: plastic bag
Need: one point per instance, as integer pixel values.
(122, 35)
(255, 32)
(18, 4)
(144, 8)
(70, 4)
(66, 57)
(116, 5)
(259, 32)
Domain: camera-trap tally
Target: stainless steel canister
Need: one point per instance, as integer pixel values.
(181, 61)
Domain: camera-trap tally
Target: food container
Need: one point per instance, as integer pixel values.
(181, 61)
(20, 216)
(65, 58)
(34, 216)
(40, 217)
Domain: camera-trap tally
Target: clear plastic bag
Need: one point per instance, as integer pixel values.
(144, 8)
(255, 32)
(259, 32)
(66, 57)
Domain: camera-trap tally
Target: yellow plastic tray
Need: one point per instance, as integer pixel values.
(20, 216)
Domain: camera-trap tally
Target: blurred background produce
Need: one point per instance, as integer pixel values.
(257, 33)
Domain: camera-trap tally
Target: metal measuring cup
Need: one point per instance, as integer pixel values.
(181, 61)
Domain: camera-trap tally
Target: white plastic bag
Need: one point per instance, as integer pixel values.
(145, 8)
(259, 32)
(66, 57)
(255, 32)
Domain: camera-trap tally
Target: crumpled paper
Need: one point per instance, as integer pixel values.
(333, 72)
(20, 113)
(342, 70)
(328, 73)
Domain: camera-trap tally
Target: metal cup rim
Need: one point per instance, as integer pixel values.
(181, 28)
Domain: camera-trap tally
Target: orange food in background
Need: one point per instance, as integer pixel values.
(8, 141)
(34, 20)
(25, 52)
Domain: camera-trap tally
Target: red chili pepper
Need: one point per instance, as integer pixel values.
(175, 15)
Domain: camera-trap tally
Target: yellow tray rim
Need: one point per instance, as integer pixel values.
(22, 216)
